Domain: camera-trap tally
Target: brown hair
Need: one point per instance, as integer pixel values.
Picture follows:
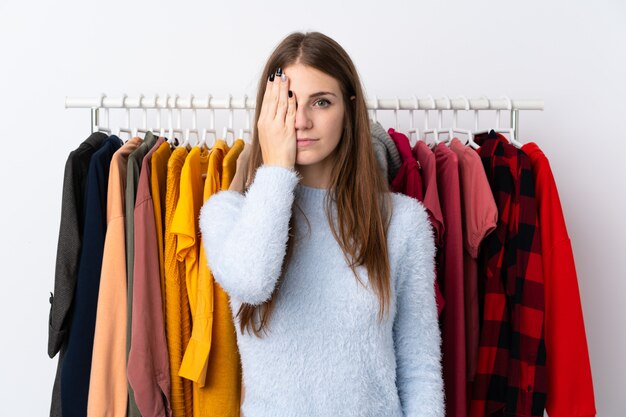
(359, 191)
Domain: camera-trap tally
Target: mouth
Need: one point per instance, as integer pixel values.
(306, 141)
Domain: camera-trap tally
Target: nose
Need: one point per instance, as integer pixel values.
(303, 121)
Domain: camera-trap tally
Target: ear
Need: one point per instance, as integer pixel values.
(352, 98)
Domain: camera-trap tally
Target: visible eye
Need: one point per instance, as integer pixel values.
(323, 100)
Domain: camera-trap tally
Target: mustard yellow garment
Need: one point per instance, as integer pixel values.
(224, 361)
(211, 359)
(178, 316)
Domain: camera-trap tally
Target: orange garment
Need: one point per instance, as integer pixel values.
(177, 316)
(108, 389)
(158, 184)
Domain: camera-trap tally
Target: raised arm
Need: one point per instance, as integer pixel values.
(245, 237)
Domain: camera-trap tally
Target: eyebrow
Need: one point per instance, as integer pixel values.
(322, 93)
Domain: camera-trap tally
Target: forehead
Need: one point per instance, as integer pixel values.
(308, 80)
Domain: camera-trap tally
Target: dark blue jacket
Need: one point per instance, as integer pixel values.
(77, 363)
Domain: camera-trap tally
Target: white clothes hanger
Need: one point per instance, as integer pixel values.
(455, 129)
(211, 129)
(440, 129)
(178, 129)
(126, 129)
(194, 126)
(229, 129)
(247, 130)
(374, 110)
(144, 126)
(395, 114)
(100, 128)
(159, 127)
(428, 131)
(510, 131)
(412, 128)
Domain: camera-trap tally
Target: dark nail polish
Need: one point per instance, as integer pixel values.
(272, 77)
(279, 71)
(290, 93)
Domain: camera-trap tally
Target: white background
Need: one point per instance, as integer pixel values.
(570, 54)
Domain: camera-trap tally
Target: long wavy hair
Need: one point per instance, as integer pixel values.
(360, 193)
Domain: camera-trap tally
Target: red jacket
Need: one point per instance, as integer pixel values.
(570, 386)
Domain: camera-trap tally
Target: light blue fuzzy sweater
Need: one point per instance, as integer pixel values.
(326, 353)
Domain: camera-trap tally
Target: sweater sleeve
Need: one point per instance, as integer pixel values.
(245, 237)
(417, 338)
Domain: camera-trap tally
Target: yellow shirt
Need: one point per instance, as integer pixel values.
(227, 364)
(177, 316)
(212, 359)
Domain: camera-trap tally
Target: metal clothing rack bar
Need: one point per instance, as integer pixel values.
(248, 103)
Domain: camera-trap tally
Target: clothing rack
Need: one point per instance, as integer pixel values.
(175, 102)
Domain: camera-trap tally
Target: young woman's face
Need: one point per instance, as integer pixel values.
(319, 114)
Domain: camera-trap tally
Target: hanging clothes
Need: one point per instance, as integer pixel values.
(158, 186)
(450, 276)
(177, 316)
(212, 321)
(408, 180)
(77, 364)
(426, 159)
(385, 151)
(68, 255)
(184, 225)
(148, 361)
(108, 386)
(133, 171)
(511, 374)
(570, 385)
(480, 216)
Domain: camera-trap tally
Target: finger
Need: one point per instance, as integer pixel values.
(290, 120)
(281, 109)
(274, 97)
(268, 91)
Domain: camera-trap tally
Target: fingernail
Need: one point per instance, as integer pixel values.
(283, 78)
(272, 77)
(279, 71)
(290, 93)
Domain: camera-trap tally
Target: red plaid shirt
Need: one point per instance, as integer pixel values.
(511, 374)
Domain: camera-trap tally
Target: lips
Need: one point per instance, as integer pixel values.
(306, 141)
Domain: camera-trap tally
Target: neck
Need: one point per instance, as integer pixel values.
(316, 175)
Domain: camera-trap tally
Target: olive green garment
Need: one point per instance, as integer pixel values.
(132, 178)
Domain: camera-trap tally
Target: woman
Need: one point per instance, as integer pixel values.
(330, 275)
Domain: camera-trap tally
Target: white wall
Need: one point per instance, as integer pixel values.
(570, 54)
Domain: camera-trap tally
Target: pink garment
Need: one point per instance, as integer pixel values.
(425, 157)
(148, 361)
(408, 180)
(450, 275)
(480, 215)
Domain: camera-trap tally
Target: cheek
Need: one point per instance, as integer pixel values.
(334, 127)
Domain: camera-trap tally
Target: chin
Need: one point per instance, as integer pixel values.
(304, 159)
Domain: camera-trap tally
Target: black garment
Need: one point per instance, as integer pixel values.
(68, 253)
(77, 364)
